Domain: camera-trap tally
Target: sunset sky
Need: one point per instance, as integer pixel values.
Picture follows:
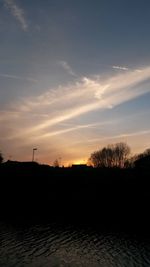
(74, 77)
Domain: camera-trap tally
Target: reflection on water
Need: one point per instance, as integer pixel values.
(56, 245)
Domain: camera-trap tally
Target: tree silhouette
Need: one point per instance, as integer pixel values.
(1, 157)
(56, 163)
(111, 156)
(147, 152)
(121, 151)
(143, 154)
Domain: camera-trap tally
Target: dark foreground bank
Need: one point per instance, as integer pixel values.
(109, 196)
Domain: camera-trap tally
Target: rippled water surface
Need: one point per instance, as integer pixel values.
(56, 245)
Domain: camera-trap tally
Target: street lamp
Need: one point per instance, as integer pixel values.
(33, 153)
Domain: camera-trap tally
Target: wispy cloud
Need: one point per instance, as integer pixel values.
(120, 136)
(86, 95)
(52, 116)
(66, 67)
(17, 12)
(120, 67)
(143, 132)
(9, 76)
(102, 140)
(75, 128)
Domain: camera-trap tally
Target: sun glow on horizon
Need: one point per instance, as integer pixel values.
(80, 162)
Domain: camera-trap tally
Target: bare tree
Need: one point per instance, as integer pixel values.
(56, 163)
(121, 150)
(111, 156)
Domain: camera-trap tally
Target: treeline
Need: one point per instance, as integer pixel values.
(109, 192)
(119, 155)
(112, 156)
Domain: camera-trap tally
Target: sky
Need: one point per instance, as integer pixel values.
(74, 77)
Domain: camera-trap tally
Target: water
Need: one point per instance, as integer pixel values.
(57, 245)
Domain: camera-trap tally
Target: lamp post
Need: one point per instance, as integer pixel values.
(33, 153)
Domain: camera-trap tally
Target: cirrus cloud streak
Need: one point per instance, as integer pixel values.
(17, 12)
(85, 96)
(42, 119)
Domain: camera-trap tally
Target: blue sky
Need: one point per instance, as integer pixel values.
(74, 76)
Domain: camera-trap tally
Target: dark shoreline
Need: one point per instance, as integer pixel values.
(110, 197)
